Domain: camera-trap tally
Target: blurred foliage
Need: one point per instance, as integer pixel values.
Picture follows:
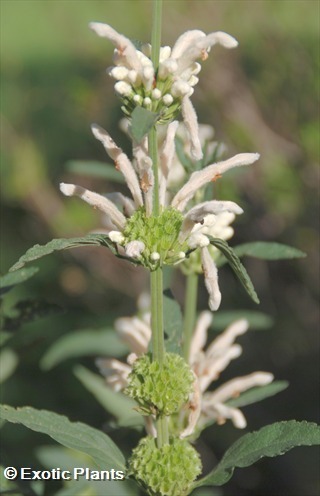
(260, 97)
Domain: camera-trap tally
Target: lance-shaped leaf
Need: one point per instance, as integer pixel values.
(120, 406)
(142, 122)
(39, 251)
(92, 168)
(75, 435)
(268, 250)
(236, 266)
(257, 320)
(83, 343)
(11, 279)
(272, 440)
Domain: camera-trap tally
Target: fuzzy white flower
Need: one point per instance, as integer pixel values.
(204, 406)
(139, 83)
(176, 229)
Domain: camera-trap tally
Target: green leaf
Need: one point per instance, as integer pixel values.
(257, 320)
(258, 393)
(39, 251)
(272, 440)
(236, 266)
(83, 343)
(268, 250)
(172, 321)
(142, 122)
(75, 435)
(119, 405)
(57, 456)
(95, 169)
(11, 279)
(9, 361)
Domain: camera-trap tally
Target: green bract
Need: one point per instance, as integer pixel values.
(160, 389)
(159, 234)
(168, 471)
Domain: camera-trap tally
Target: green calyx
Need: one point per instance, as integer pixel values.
(168, 471)
(160, 389)
(167, 113)
(159, 234)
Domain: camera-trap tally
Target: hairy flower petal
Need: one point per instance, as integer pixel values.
(124, 45)
(191, 123)
(209, 173)
(96, 200)
(210, 272)
(122, 162)
(166, 158)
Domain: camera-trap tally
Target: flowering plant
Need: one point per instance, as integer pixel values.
(170, 368)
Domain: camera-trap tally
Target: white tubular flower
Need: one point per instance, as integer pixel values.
(203, 406)
(213, 403)
(134, 249)
(96, 200)
(176, 73)
(125, 47)
(166, 157)
(201, 212)
(116, 372)
(199, 178)
(191, 123)
(210, 272)
(122, 162)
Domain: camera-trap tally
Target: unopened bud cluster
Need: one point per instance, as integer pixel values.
(160, 389)
(168, 471)
(161, 92)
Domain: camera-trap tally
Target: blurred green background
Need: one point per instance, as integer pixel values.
(260, 97)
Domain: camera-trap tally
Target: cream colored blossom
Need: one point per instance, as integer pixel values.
(178, 229)
(166, 88)
(207, 363)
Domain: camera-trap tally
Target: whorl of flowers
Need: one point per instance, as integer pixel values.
(166, 88)
(207, 362)
(169, 237)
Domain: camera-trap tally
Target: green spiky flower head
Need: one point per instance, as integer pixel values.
(160, 389)
(159, 234)
(168, 471)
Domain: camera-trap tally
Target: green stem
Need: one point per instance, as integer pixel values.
(190, 310)
(158, 348)
(156, 32)
(157, 315)
(153, 152)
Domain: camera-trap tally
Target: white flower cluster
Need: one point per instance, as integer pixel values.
(204, 406)
(140, 180)
(166, 88)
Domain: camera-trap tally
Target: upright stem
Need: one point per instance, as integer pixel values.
(157, 315)
(158, 348)
(190, 309)
(156, 32)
